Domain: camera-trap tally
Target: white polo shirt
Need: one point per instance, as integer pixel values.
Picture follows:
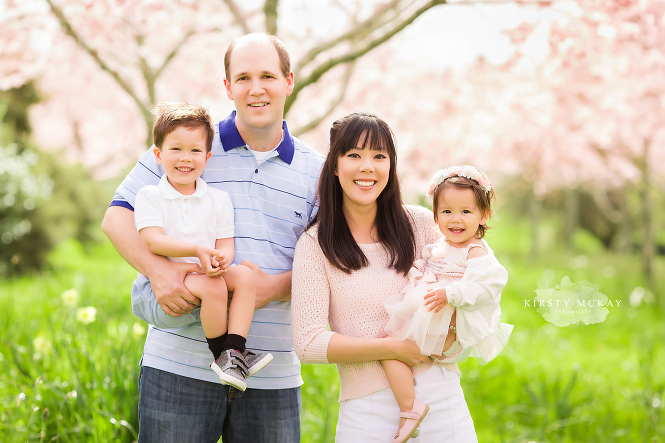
(200, 218)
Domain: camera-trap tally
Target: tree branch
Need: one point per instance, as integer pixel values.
(354, 54)
(238, 16)
(67, 28)
(340, 97)
(372, 23)
(174, 52)
(270, 12)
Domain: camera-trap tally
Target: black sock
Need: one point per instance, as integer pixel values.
(234, 341)
(216, 345)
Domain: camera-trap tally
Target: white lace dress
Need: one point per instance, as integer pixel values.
(474, 283)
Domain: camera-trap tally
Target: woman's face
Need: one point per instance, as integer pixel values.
(363, 174)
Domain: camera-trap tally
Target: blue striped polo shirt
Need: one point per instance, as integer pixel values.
(273, 202)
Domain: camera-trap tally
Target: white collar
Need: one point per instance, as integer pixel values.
(170, 193)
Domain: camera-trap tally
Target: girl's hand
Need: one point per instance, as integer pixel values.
(437, 298)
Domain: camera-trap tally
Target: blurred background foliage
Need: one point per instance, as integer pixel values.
(44, 198)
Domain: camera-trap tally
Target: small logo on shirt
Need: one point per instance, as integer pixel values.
(298, 214)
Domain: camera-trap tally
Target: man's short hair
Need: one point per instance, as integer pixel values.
(168, 116)
(284, 58)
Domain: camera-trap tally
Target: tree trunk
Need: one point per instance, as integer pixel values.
(572, 217)
(149, 122)
(534, 217)
(624, 240)
(648, 250)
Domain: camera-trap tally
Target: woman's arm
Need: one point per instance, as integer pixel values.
(310, 297)
(310, 305)
(345, 349)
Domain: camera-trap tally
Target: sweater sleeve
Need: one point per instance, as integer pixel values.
(310, 302)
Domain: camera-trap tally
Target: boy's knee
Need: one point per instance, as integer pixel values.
(245, 275)
(220, 287)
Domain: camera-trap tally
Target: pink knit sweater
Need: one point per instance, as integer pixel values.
(351, 303)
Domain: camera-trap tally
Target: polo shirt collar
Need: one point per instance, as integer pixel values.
(169, 193)
(230, 138)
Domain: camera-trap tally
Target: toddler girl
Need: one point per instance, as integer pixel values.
(450, 307)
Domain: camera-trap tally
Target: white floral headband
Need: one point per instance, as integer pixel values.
(459, 171)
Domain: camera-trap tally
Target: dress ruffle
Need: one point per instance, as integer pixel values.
(410, 318)
(479, 336)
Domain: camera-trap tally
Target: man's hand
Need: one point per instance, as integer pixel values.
(437, 298)
(270, 287)
(167, 282)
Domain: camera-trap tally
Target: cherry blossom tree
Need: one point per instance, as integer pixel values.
(105, 64)
(584, 114)
(612, 59)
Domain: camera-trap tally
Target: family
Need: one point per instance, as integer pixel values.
(256, 253)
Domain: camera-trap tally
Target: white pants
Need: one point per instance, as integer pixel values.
(375, 417)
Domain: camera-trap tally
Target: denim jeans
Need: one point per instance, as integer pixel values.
(173, 408)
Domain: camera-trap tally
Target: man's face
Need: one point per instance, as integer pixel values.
(257, 85)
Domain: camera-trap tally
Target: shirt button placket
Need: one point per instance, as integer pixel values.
(253, 186)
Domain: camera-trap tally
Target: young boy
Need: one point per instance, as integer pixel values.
(188, 221)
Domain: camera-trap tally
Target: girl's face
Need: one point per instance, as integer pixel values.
(363, 175)
(458, 215)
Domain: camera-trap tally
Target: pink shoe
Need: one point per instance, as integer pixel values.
(413, 419)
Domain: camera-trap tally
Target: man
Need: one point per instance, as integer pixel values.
(271, 179)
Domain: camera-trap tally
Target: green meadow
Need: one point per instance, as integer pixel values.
(70, 373)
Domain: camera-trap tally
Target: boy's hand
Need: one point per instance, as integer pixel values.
(221, 264)
(437, 298)
(209, 258)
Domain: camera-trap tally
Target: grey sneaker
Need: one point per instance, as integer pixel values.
(256, 362)
(231, 369)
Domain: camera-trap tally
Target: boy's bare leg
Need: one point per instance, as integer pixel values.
(400, 379)
(241, 280)
(213, 295)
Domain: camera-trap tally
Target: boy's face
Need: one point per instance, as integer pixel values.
(183, 157)
(257, 85)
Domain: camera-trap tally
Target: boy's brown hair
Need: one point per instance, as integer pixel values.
(168, 116)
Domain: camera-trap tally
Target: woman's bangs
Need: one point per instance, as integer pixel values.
(376, 138)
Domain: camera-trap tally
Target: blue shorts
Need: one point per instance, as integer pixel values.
(145, 307)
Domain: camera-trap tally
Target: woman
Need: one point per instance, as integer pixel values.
(356, 253)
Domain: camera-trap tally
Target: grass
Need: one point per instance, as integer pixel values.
(64, 380)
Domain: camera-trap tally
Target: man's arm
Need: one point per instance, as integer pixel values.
(166, 277)
(275, 287)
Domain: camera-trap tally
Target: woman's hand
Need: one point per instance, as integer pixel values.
(437, 298)
(406, 351)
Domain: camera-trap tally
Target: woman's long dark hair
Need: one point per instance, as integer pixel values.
(392, 221)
